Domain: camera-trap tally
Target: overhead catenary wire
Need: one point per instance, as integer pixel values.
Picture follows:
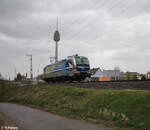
(104, 32)
(80, 18)
(91, 21)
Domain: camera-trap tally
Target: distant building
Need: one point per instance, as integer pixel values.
(133, 76)
(148, 75)
(113, 74)
(116, 74)
(107, 75)
(122, 76)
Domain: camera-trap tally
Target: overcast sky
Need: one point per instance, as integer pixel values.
(109, 32)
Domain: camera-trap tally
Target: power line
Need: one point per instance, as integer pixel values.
(81, 18)
(102, 33)
(90, 24)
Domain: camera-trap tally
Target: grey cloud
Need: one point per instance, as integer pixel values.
(11, 10)
(110, 33)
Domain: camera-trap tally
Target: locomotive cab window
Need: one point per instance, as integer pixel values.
(82, 61)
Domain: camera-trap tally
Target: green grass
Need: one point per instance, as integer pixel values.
(114, 108)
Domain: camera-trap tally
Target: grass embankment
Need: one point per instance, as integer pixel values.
(124, 109)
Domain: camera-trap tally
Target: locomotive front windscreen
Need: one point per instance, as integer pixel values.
(82, 61)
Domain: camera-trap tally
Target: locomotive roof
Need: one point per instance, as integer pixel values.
(65, 60)
(55, 63)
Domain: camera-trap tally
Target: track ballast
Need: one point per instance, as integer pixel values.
(116, 85)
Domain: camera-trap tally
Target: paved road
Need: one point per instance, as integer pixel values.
(32, 119)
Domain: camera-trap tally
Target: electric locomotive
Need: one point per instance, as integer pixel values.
(73, 68)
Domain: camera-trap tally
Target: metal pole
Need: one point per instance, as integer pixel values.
(15, 73)
(38, 76)
(31, 70)
(56, 53)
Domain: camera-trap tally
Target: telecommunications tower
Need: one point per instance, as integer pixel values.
(31, 69)
(56, 39)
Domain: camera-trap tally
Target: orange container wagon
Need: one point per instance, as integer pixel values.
(104, 79)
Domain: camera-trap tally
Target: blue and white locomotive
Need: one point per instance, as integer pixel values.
(74, 68)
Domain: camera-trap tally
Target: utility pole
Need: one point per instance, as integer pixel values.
(38, 75)
(31, 70)
(56, 39)
(15, 73)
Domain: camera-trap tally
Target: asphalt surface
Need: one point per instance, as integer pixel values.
(32, 119)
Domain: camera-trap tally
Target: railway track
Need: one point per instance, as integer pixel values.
(116, 85)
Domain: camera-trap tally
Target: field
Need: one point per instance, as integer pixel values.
(124, 109)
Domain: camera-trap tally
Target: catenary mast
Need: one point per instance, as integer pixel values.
(31, 69)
